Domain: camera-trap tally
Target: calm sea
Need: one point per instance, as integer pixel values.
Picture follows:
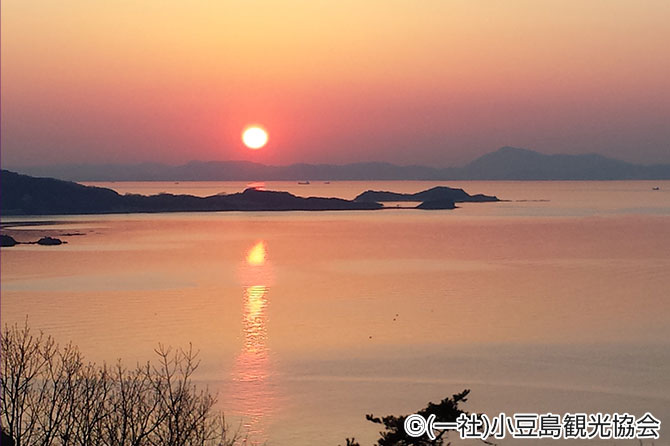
(557, 300)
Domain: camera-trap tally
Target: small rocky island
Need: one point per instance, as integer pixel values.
(7, 241)
(439, 194)
(26, 195)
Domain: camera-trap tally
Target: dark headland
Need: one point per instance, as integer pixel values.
(26, 195)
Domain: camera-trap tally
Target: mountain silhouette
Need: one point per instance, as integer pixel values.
(511, 163)
(506, 163)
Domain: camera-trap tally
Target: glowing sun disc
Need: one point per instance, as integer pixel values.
(254, 137)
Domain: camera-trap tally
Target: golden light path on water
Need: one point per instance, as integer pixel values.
(251, 390)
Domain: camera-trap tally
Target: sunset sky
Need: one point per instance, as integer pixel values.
(435, 82)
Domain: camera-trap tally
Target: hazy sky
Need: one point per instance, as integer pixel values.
(429, 82)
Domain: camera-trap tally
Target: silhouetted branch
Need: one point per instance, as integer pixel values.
(50, 397)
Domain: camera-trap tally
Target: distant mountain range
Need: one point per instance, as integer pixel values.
(506, 163)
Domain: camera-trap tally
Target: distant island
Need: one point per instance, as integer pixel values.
(506, 163)
(27, 195)
(439, 193)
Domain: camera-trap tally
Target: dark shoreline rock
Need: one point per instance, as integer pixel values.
(7, 241)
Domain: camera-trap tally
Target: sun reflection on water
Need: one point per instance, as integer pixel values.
(252, 390)
(255, 330)
(256, 255)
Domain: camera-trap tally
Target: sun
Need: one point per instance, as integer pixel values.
(254, 137)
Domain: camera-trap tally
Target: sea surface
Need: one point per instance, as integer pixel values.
(555, 300)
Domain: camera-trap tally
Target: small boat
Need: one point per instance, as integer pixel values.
(303, 182)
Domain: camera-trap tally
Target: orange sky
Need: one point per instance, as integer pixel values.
(428, 82)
